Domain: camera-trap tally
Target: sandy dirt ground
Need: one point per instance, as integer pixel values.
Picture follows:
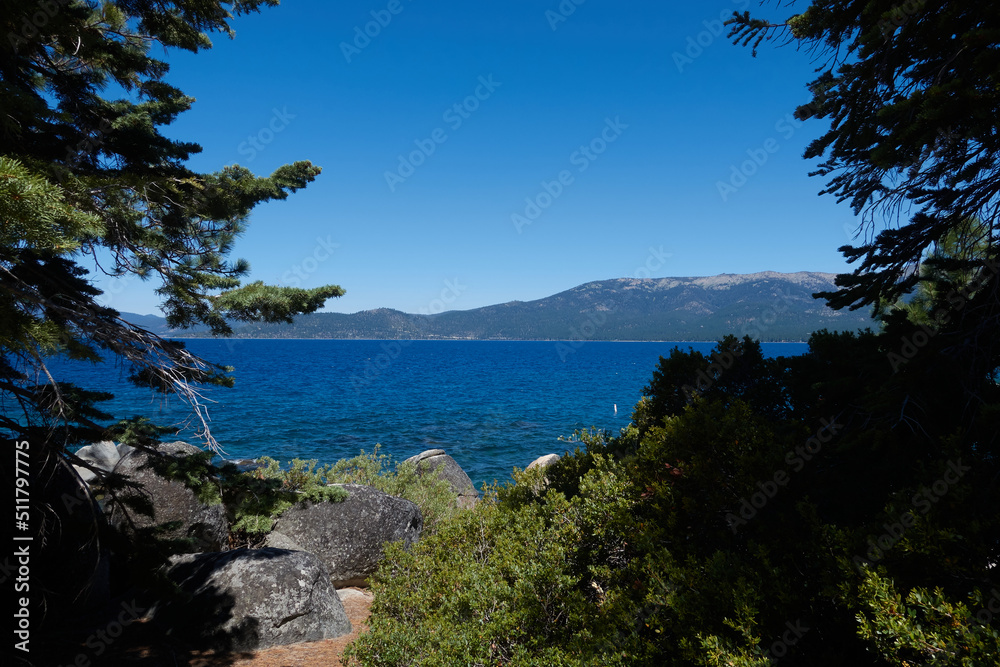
(310, 654)
(144, 645)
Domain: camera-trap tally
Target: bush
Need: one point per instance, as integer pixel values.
(509, 583)
(435, 497)
(719, 530)
(256, 498)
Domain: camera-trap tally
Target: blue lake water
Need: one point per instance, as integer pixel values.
(492, 405)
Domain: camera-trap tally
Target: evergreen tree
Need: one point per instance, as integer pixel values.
(838, 530)
(944, 274)
(88, 180)
(911, 91)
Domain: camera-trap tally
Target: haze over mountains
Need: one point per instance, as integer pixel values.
(769, 306)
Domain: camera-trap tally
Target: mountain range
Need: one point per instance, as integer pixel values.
(769, 306)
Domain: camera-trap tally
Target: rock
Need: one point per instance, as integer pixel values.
(124, 450)
(281, 541)
(348, 595)
(426, 454)
(245, 465)
(86, 474)
(250, 599)
(103, 455)
(446, 468)
(349, 536)
(171, 500)
(543, 461)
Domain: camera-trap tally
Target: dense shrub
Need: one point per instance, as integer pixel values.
(255, 499)
(434, 496)
(508, 583)
(816, 510)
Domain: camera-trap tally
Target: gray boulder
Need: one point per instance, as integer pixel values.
(70, 566)
(245, 465)
(124, 450)
(436, 462)
(543, 461)
(103, 455)
(281, 541)
(171, 500)
(250, 599)
(349, 536)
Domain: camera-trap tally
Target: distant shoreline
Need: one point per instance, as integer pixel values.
(770, 306)
(467, 340)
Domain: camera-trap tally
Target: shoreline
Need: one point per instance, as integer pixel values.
(461, 340)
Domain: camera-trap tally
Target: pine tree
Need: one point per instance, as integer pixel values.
(85, 175)
(912, 93)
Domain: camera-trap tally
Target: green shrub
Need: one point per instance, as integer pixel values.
(820, 510)
(435, 497)
(926, 627)
(510, 583)
(255, 499)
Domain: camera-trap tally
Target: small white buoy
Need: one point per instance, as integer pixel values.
(616, 408)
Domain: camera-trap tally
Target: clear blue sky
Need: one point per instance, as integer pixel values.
(664, 107)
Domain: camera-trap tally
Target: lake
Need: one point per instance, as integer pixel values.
(491, 405)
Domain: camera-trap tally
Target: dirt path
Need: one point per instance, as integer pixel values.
(326, 653)
(145, 645)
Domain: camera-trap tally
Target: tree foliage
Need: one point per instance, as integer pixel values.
(89, 180)
(849, 524)
(911, 93)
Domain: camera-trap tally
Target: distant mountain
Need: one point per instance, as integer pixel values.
(769, 306)
(158, 325)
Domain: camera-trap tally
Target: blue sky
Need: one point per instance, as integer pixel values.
(439, 135)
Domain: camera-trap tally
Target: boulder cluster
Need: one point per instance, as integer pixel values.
(244, 598)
